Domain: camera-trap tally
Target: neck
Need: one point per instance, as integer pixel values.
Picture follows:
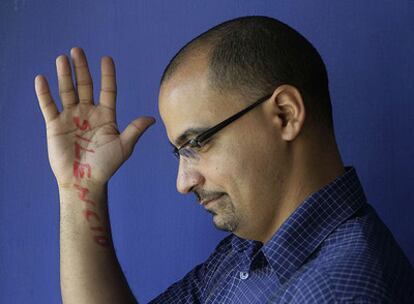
(313, 165)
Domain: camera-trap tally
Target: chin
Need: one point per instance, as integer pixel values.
(223, 225)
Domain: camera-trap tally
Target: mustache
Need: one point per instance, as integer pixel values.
(203, 195)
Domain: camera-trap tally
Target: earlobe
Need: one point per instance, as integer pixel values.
(290, 110)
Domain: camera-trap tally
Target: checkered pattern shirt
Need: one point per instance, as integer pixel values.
(332, 249)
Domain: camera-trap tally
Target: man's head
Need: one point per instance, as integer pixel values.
(251, 163)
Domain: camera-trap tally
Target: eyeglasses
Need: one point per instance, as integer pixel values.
(190, 149)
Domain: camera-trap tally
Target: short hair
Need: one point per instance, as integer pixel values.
(256, 54)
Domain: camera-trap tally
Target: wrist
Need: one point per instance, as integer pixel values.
(83, 190)
(90, 184)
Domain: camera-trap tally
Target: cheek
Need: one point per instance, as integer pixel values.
(230, 168)
(223, 173)
(250, 161)
(250, 153)
(240, 162)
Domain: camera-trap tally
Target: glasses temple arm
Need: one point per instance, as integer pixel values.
(201, 137)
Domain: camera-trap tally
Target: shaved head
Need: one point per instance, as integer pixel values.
(251, 56)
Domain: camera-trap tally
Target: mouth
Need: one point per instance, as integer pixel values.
(208, 201)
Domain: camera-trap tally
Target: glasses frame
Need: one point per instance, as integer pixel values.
(197, 142)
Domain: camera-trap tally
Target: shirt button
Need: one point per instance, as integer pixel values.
(243, 275)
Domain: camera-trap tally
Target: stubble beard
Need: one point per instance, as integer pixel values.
(224, 215)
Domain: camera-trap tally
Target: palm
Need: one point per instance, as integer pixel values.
(104, 142)
(83, 133)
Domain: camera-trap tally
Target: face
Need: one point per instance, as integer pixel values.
(241, 166)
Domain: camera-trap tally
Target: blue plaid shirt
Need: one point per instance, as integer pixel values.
(332, 249)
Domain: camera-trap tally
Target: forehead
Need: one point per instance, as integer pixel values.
(186, 102)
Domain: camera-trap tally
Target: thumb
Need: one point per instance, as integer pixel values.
(133, 132)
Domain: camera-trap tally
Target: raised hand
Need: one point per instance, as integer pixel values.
(84, 137)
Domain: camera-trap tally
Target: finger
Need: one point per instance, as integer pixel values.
(83, 77)
(107, 96)
(133, 132)
(46, 103)
(66, 90)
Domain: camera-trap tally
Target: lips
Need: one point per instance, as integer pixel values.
(205, 202)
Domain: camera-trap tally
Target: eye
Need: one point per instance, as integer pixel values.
(188, 152)
(205, 143)
(193, 144)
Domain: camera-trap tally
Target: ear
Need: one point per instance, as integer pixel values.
(289, 111)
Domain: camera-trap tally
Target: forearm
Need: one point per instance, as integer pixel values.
(89, 269)
(85, 149)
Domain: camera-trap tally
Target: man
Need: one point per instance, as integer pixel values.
(247, 109)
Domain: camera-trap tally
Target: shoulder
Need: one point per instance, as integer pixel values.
(359, 262)
(346, 278)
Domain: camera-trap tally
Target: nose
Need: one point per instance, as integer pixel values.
(188, 176)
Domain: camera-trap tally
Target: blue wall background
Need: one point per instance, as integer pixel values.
(159, 234)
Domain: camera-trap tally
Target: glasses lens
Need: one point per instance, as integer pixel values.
(176, 153)
(189, 153)
(186, 152)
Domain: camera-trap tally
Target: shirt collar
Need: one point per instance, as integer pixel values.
(306, 228)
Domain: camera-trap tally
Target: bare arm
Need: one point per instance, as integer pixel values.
(85, 149)
(89, 269)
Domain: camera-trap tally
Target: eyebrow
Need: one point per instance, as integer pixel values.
(187, 134)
